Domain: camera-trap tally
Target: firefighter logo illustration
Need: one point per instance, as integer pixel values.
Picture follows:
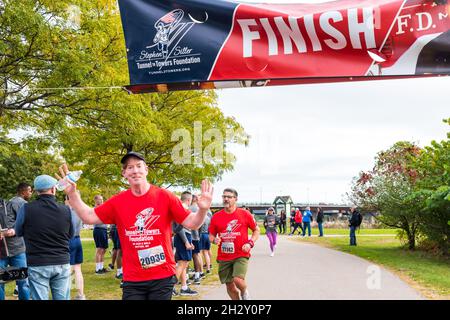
(232, 226)
(145, 220)
(170, 29)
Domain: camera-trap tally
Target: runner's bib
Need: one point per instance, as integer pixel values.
(152, 257)
(227, 247)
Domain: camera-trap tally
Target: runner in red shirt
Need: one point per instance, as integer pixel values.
(143, 215)
(229, 230)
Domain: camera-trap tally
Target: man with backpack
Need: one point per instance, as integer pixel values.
(354, 222)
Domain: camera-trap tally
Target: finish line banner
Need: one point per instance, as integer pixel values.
(200, 44)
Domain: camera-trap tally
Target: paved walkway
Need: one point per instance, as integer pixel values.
(301, 271)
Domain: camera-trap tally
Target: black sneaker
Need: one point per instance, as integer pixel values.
(15, 293)
(111, 266)
(105, 270)
(188, 292)
(208, 271)
(174, 292)
(119, 276)
(202, 275)
(121, 284)
(100, 271)
(197, 281)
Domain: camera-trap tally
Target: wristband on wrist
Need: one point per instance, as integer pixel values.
(251, 243)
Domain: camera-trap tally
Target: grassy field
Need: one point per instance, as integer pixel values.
(425, 272)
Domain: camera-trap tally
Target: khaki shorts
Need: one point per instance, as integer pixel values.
(233, 268)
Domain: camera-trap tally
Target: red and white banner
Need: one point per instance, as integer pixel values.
(181, 45)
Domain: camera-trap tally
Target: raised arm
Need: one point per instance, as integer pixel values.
(86, 213)
(195, 219)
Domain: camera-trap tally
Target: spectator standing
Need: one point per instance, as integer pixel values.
(15, 244)
(307, 217)
(282, 225)
(320, 220)
(47, 228)
(354, 222)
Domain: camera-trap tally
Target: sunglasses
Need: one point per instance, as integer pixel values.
(227, 197)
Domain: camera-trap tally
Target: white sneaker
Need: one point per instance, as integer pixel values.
(246, 296)
(272, 254)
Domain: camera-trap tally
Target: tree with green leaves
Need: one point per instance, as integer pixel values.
(433, 168)
(389, 190)
(60, 77)
(22, 163)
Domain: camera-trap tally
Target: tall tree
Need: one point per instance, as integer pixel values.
(433, 167)
(52, 50)
(389, 190)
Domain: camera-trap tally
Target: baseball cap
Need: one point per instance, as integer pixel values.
(44, 182)
(132, 154)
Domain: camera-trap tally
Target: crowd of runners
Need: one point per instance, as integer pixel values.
(155, 236)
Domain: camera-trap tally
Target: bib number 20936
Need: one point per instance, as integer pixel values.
(152, 257)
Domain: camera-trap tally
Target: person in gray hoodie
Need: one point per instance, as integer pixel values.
(271, 221)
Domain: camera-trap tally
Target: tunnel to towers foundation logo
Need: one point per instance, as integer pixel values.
(167, 51)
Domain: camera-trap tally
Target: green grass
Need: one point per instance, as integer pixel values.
(428, 273)
(107, 287)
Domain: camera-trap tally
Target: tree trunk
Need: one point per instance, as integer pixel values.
(410, 233)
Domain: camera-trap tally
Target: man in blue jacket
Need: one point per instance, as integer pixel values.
(307, 217)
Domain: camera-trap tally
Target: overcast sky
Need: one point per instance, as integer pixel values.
(308, 141)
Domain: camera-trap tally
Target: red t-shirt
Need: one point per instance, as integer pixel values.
(298, 216)
(144, 224)
(232, 229)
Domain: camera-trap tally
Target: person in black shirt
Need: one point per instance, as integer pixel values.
(319, 218)
(46, 227)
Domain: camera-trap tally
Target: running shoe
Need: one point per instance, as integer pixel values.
(188, 292)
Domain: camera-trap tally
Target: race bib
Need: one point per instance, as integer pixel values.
(227, 247)
(152, 257)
